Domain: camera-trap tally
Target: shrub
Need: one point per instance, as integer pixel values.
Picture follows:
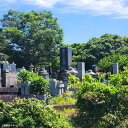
(106, 63)
(31, 113)
(25, 75)
(38, 85)
(119, 79)
(63, 99)
(102, 105)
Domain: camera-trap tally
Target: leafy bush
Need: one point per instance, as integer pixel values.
(106, 63)
(31, 113)
(73, 81)
(63, 99)
(101, 105)
(38, 84)
(119, 79)
(25, 75)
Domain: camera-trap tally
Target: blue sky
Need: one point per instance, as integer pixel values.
(80, 19)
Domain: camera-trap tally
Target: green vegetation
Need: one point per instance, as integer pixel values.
(66, 98)
(25, 75)
(98, 48)
(102, 105)
(38, 85)
(33, 37)
(30, 113)
(106, 63)
(119, 79)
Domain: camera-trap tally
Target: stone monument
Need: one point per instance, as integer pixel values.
(94, 68)
(8, 80)
(44, 73)
(65, 58)
(115, 68)
(81, 70)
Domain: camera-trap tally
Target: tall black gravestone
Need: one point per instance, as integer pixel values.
(65, 63)
(65, 58)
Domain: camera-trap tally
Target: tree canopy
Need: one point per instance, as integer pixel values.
(33, 37)
(106, 63)
(98, 48)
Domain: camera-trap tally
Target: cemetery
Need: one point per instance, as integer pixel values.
(10, 87)
(101, 95)
(45, 83)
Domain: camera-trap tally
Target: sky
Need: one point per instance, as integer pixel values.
(80, 20)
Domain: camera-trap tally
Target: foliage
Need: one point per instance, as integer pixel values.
(102, 105)
(30, 113)
(63, 99)
(119, 79)
(25, 75)
(3, 43)
(68, 112)
(33, 37)
(74, 82)
(98, 48)
(88, 78)
(38, 85)
(106, 63)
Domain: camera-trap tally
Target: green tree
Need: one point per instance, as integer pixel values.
(106, 63)
(98, 48)
(34, 37)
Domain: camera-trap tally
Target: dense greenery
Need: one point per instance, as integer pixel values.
(102, 105)
(66, 98)
(98, 48)
(32, 37)
(35, 37)
(25, 75)
(38, 85)
(106, 63)
(119, 79)
(30, 113)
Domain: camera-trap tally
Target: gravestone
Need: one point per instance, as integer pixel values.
(94, 68)
(56, 87)
(90, 72)
(65, 63)
(61, 87)
(31, 68)
(24, 88)
(115, 68)
(8, 81)
(9, 75)
(81, 70)
(53, 87)
(65, 58)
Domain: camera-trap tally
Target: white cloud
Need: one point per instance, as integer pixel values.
(101, 7)
(10, 1)
(118, 8)
(43, 3)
